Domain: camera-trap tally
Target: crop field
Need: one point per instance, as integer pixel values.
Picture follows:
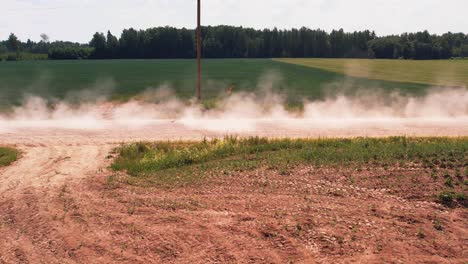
(122, 79)
(431, 72)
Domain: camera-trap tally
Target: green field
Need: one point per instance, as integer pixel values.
(121, 79)
(432, 72)
(7, 156)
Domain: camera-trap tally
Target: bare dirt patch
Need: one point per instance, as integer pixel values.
(310, 215)
(58, 204)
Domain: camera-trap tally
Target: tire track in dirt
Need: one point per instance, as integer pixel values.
(29, 209)
(41, 166)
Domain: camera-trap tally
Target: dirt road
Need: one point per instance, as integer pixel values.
(53, 208)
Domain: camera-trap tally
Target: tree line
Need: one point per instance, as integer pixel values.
(239, 42)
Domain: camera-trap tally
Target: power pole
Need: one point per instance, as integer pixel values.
(199, 49)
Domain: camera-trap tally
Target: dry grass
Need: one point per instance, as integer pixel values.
(431, 72)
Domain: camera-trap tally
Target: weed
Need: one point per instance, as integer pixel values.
(298, 227)
(334, 221)
(63, 191)
(447, 174)
(267, 234)
(284, 171)
(340, 240)
(438, 225)
(379, 247)
(131, 208)
(449, 182)
(448, 198)
(421, 234)
(111, 182)
(354, 230)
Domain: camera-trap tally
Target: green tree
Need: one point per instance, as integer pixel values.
(99, 44)
(112, 45)
(464, 50)
(13, 44)
(3, 49)
(385, 48)
(129, 43)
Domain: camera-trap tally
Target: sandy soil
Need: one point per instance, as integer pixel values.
(56, 206)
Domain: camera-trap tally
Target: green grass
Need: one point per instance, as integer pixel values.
(448, 198)
(7, 156)
(125, 78)
(188, 162)
(430, 72)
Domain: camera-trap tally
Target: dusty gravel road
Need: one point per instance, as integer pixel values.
(40, 191)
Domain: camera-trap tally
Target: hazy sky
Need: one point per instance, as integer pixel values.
(77, 20)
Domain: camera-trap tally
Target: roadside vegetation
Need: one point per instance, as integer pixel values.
(7, 156)
(182, 163)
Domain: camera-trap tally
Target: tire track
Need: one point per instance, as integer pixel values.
(33, 199)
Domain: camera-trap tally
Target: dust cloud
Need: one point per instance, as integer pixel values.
(245, 112)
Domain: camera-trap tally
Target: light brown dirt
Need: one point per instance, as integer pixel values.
(56, 206)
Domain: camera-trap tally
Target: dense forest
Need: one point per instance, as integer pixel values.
(239, 42)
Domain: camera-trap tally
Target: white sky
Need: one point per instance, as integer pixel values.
(77, 20)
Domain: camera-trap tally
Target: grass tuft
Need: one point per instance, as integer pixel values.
(449, 198)
(7, 156)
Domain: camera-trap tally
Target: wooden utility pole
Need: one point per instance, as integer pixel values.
(199, 50)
